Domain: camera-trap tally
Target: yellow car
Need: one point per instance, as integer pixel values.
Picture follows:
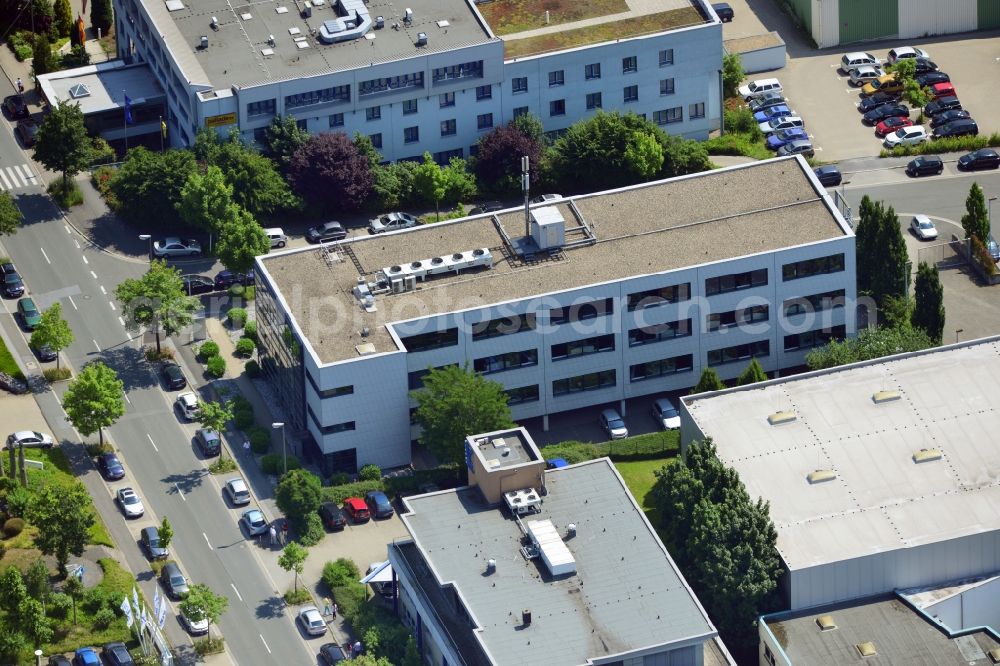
(887, 83)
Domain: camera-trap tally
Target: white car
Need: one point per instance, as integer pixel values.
(613, 424)
(29, 439)
(195, 627)
(666, 414)
(254, 521)
(903, 52)
(188, 405)
(173, 246)
(545, 198)
(236, 490)
(781, 123)
(130, 503)
(856, 59)
(862, 75)
(759, 87)
(391, 222)
(906, 136)
(923, 227)
(312, 622)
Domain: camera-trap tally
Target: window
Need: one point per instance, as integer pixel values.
(630, 94)
(391, 84)
(666, 86)
(556, 78)
(593, 100)
(329, 393)
(432, 340)
(265, 107)
(629, 64)
(520, 111)
(484, 121)
(666, 57)
(409, 106)
(444, 157)
(557, 107)
(411, 134)
(739, 352)
(415, 380)
(519, 84)
(750, 315)
(581, 311)
(338, 427)
(696, 110)
(467, 70)
(492, 328)
(491, 364)
(302, 124)
(828, 300)
(816, 338)
(322, 96)
(650, 298)
(833, 263)
(646, 335)
(660, 368)
(484, 92)
(768, 655)
(376, 139)
(594, 345)
(260, 135)
(592, 71)
(735, 281)
(448, 127)
(337, 120)
(516, 396)
(589, 382)
(667, 116)
(446, 99)
(373, 113)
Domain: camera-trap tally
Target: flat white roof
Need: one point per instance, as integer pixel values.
(881, 499)
(101, 87)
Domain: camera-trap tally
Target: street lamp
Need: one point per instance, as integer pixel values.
(147, 237)
(38, 658)
(284, 450)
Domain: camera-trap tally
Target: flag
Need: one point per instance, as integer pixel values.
(128, 110)
(135, 600)
(162, 617)
(156, 600)
(145, 617)
(163, 128)
(127, 610)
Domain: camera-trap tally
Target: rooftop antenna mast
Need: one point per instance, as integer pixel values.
(526, 187)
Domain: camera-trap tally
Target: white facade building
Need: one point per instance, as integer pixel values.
(650, 284)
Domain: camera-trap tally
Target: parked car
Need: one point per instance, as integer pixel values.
(331, 654)
(796, 148)
(939, 90)
(886, 83)
(86, 656)
(964, 127)
(993, 248)
(45, 353)
(940, 105)
(878, 99)
(984, 158)
(331, 515)
(723, 11)
(130, 503)
(486, 207)
(15, 106)
(226, 279)
(174, 581)
(391, 222)
(13, 285)
(880, 113)
(930, 78)
(254, 521)
(890, 125)
(276, 236)
(778, 139)
(198, 284)
(29, 439)
(759, 87)
(110, 467)
(924, 66)
(864, 74)
(665, 414)
(29, 314)
(772, 112)
(850, 61)
(613, 424)
(326, 233)
(116, 654)
(188, 405)
(766, 100)
(194, 627)
(149, 537)
(946, 117)
(59, 660)
(27, 132)
(172, 246)
(208, 441)
(925, 165)
(901, 52)
(923, 228)
(545, 198)
(237, 492)
(311, 620)
(781, 123)
(378, 504)
(906, 136)
(357, 510)
(173, 377)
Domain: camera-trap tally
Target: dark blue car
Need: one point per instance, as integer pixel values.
(778, 139)
(779, 111)
(86, 656)
(110, 467)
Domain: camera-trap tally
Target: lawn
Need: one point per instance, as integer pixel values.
(8, 364)
(507, 17)
(639, 478)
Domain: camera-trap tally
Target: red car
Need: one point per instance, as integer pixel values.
(940, 90)
(357, 509)
(890, 125)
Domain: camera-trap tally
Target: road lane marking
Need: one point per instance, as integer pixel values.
(66, 227)
(126, 397)
(152, 442)
(91, 272)
(77, 243)
(103, 291)
(207, 541)
(121, 320)
(28, 175)
(239, 596)
(86, 262)
(6, 183)
(15, 176)
(72, 302)
(95, 344)
(265, 643)
(112, 304)
(45, 255)
(180, 492)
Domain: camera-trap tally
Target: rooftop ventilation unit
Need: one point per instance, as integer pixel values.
(407, 16)
(523, 501)
(307, 10)
(866, 649)
(215, 23)
(365, 349)
(885, 396)
(440, 265)
(556, 555)
(203, 44)
(994, 655)
(821, 475)
(270, 40)
(826, 623)
(926, 455)
(353, 22)
(379, 22)
(779, 418)
(421, 39)
(548, 228)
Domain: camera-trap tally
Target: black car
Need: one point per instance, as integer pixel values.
(44, 353)
(331, 653)
(766, 101)
(173, 377)
(198, 284)
(110, 467)
(724, 11)
(876, 100)
(486, 207)
(944, 104)
(59, 660)
(26, 131)
(378, 504)
(930, 78)
(984, 158)
(965, 127)
(880, 113)
(15, 106)
(226, 279)
(116, 654)
(924, 65)
(13, 285)
(324, 233)
(333, 517)
(208, 441)
(829, 175)
(150, 539)
(946, 117)
(925, 165)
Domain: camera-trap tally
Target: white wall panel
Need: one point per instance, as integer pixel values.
(920, 18)
(826, 22)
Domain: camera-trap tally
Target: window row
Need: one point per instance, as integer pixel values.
(467, 70)
(415, 379)
(431, 340)
(331, 429)
(590, 382)
(491, 364)
(816, 338)
(517, 396)
(646, 335)
(492, 328)
(751, 315)
(814, 303)
(322, 96)
(630, 65)
(650, 298)
(661, 368)
(329, 393)
(739, 352)
(581, 311)
(385, 84)
(833, 263)
(594, 345)
(735, 281)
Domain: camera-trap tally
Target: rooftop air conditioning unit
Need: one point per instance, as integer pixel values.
(270, 40)
(379, 22)
(421, 39)
(397, 285)
(204, 42)
(307, 10)
(410, 282)
(215, 23)
(408, 15)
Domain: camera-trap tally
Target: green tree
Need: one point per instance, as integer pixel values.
(871, 343)
(256, 182)
(149, 186)
(298, 495)
(73, 586)
(34, 624)
(367, 659)
(752, 374)
(11, 216)
(411, 657)
(882, 260)
(43, 60)
(431, 182)
(205, 199)
(157, 300)
(101, 16)
(53, 331)
(456, 402)
(864, 242)
(530, 126)
(732, 74)
(94, 400)
(283, 137)
(62, 143)
(976, 220)
(928, 313)
(37, 581)
(643, 155)
(13, 593)
(906, 73)
(293, 558)
(241, 239)
(202, 603)
(460, 185)
(63, 516)
(13, 642)
(166, 532)
(709, 381)
(63, 17)
(214, 416)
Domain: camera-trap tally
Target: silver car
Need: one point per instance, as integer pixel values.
(666, 414)
(130, 503)
(29, 439)
(254, 521)
(237, 491)
(173, 246)
(188, 405)
(613, 424)
(312, 622)
(391, 222)
(862, 75)
(195, 627)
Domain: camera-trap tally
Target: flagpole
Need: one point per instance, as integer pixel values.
(162, 129)
(125, 118)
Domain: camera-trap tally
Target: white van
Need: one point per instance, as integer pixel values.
(277, 236)
(760, 86)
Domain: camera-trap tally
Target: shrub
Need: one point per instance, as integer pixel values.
(237, 317)
(339, 493)
(741, 121)
(17, 500)
(982, 257)
(313, 532)
(59, 605)
(650, 446)
(946, 145)
(260, 440)
(154, 356)
(157, 565)
(101, 179)
(236, 290)
(572, 451)
(297, 597)
(245, 347)
(240, 402)
(243, 418)
(56, 374)
(737, 144)
(273, 463)
(445, 476)
(12, 527)
(340, 573)
(216, 366)
(249, 293)
(339, 479)
(208, 646)
(97, 598)
(103, 618)
(94, 450)
(370, 472)
(250, 330)
(252, 369)
(20, 43)
(208, 349)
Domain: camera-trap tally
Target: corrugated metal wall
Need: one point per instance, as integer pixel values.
(826, 23)
(919, 18)
(803, 10)
(988, 14)
(868, 19)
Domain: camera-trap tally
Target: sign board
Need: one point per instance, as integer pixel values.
(34, 464)
(220, 120)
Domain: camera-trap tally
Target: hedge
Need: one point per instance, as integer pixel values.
(665, 444)
(358, 489)
(260, 439)
(946, 145)
(444, 476)
(8, 364)
(273, 463)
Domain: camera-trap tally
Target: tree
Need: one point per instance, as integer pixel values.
(753, 374)
(73, 586)
(531, 126)
(202, 603)
(732, 74)
(976, 220)
(63, 516)
(293, 558)
(329, 172)
(101, 16)
(368, 659)
(864, 242)
(94, 400)
(497, 164)
(906, 73)
(11, 216)
(166, 532)
(456, 402)
(257, 185)
(37, 581)
(411, 657)
(928, 314)
(871, 343)
(282, 138)
(882, 260)
(33, 622)
(157, 300)
(643, 155)
(13, 642)
(431, 182)
(43, 60)
(205, 199)
(460, 185)
(53, 331)
(148, 185)
(62, 143)
(709, 381)
(241, 239)
(63, 17)
(298, 495)
(215, 415)
(12, 594)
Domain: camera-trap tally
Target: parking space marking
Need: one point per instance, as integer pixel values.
(122, 321)
(72, 302)
(127, 399)
(265, 643)
(238, 595)
(180, 492)
(152, 442)
(103, 290)
(85, 260)
(95, 344)
(112, 304)
(207, 541)
(45, 255)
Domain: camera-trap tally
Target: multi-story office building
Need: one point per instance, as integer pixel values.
(422, 76)
(597, 299)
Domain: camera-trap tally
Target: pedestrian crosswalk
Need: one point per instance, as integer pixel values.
(14, 177)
